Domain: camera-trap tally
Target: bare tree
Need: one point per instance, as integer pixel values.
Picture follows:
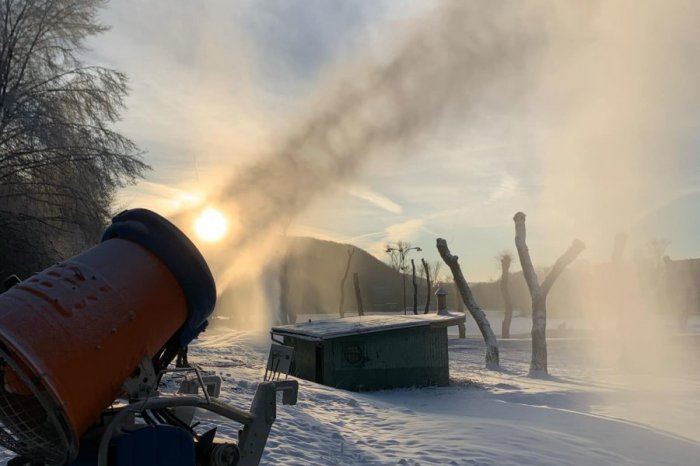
(431, 273)
(429, 285)
(397, 257)
(358, 294)
(428, 272)
(505, 259)
(350, 252)
(492, 360)
(538, 293)
(60, 162)
(286, 315)
(415, 287)
(436, 266)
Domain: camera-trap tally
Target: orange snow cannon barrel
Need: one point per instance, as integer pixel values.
(71, 335)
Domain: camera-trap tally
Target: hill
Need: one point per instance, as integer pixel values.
(315, 269)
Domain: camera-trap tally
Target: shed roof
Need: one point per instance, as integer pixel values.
(334, 328)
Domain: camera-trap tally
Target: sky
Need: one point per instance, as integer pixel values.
(589, 137)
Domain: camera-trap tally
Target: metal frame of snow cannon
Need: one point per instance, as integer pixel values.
(252, 438)
(257, 421)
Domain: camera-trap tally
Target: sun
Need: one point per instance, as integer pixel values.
(211, 225)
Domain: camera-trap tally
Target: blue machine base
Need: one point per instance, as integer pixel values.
(160, 445)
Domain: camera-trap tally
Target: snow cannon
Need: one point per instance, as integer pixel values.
(85, 344)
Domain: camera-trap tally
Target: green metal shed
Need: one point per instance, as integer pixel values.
(372, 352)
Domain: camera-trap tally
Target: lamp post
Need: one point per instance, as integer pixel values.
(403, 250)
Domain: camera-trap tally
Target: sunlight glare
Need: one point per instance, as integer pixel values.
(211, 225)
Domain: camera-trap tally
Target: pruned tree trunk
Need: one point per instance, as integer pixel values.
(460, 305)
(538, 293)
(538, 362)
(506, 259)
(426, 267)
(285, 315)
(358, 294)
(492, 360)
(415, 288)
(341, 311)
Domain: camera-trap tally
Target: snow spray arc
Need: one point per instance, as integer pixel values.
(446, 65)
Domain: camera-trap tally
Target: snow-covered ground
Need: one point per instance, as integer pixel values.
(602, 405)
(591, 411)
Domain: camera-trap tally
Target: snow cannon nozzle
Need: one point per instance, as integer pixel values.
(72, 335)
(179, 254)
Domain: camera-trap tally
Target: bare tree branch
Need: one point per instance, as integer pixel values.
(350, 252)
(492, 359)
(429, 285)
(576, 248)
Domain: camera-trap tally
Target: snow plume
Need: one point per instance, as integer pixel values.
(616, 126)
(456, 59)
(605, 89)
(616, 112)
